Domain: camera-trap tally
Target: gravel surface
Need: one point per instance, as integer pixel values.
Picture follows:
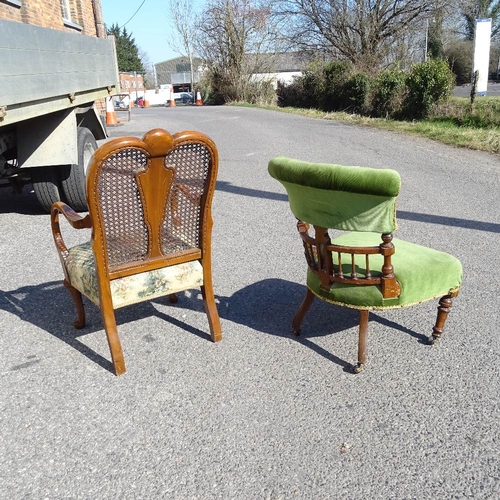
(259, 415)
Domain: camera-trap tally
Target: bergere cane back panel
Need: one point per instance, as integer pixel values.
(118, 201)
(181, 226)
(150, 213)
(361, 269)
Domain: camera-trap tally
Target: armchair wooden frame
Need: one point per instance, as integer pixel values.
(356, 269)
(149, 209)
(319, 252)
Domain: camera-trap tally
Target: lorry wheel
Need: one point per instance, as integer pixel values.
(45, 185)
(73, 177)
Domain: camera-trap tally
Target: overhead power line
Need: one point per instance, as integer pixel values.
(133, 15)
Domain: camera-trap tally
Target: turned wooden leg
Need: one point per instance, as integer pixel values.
(115, 347)
(304, 307)
(207, 293)
(444, 307)
(77, 299)
(173, 298)
(363, 331)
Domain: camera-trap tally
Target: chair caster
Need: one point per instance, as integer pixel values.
(433, 340)
(358, 368)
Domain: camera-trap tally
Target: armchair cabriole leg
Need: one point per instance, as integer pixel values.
(207, 293)
(77, 299)
(363, 331)
(444, 307)
(304, 307)
(115, 347)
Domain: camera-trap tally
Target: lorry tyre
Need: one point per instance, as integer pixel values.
(73, 177)
(45, 185)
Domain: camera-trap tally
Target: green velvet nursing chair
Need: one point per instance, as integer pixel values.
(149, 205)
(364, 268)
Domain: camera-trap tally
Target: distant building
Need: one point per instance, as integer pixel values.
(131, 83)
(282, 66)
(177, 72)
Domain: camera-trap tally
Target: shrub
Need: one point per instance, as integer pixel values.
(261, 93)
(295, 94)
(356, 90)
(218, 87)
(321, 87)
(387, 93)
(427, 84)
(312, 86)
(459, 57)
(334, 77)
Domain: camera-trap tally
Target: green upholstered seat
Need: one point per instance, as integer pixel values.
(422, 273)
(362, 201)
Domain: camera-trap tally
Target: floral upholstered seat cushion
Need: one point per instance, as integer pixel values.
(80, 265)
(423, 274)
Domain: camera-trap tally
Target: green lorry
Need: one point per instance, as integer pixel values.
(50, 81)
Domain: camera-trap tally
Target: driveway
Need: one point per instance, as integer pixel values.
(261, 414)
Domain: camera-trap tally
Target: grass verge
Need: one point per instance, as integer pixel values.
(454, 123)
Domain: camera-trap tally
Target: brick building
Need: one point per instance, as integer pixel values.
(132, 83)
(84, 16)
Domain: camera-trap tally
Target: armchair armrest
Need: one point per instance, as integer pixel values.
(75, 220)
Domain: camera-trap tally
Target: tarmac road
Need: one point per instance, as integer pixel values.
(493, 89)
(260, 415)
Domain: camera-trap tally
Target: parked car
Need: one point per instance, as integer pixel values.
(182, 98)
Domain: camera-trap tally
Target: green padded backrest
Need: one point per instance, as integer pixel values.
(339, 197)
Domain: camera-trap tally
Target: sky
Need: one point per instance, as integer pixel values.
(149, 27)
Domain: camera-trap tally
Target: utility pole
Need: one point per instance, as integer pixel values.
(426, 38)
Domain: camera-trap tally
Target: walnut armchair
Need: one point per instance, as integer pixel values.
(361, 269)
(150, 214)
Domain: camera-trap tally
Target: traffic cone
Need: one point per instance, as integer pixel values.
(172, 100)
(111, 120)
(198, 98)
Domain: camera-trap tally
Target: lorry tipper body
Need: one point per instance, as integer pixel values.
(50, 81)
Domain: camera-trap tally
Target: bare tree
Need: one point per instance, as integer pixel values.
(149, 78)
(184, 23)
(362, 31)
(235, 40)
(476, 9)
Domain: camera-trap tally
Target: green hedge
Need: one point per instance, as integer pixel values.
(336, 86)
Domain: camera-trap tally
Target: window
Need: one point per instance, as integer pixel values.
(66, 13)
